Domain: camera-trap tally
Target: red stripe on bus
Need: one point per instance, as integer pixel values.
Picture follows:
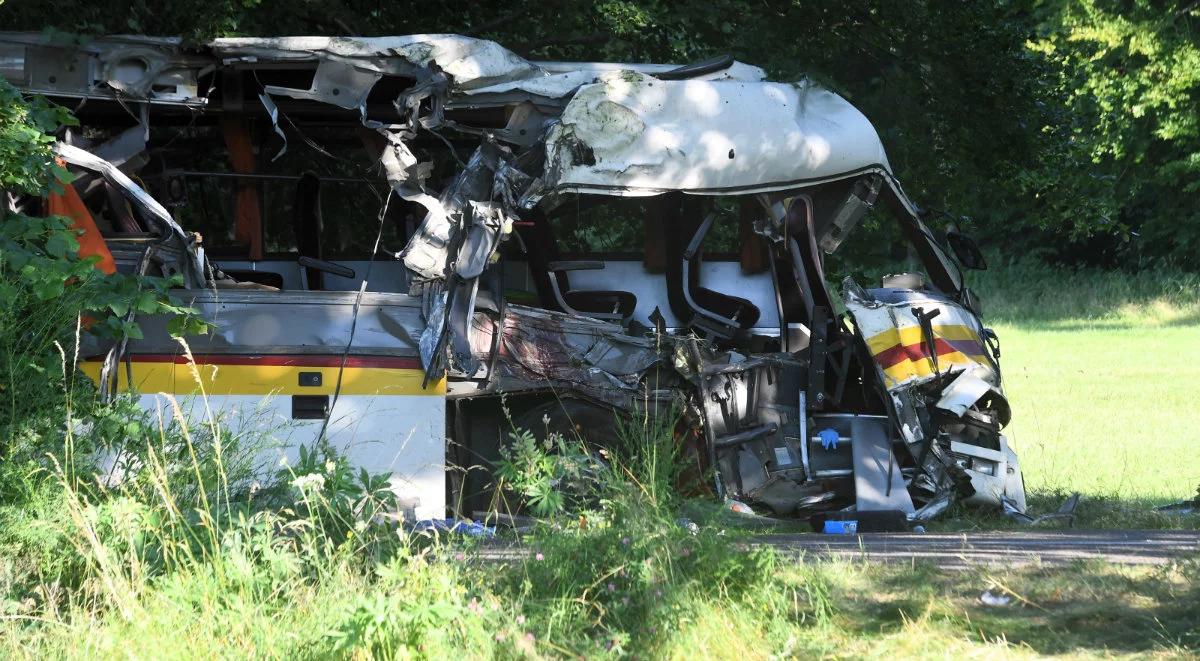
(897, 354)
(383, 362)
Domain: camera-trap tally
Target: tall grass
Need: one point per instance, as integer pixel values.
(1025, 290)
(195, 551)
(192, 553)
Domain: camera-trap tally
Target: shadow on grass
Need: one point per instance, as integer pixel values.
(1085, 607)
(1184, 321)
(1084, 324)
(1030, 292)
(1092, 512)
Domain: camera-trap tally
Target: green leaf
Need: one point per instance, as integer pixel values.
(147, 303)
(186, 324)
(61, 174)
(61, 244)
(48, 289)
(131, 330)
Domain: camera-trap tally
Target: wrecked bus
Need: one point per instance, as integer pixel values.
(405, 245)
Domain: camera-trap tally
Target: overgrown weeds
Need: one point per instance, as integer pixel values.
(618, 571)
(314, 561)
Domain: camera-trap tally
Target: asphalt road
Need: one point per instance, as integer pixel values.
(1007, 548)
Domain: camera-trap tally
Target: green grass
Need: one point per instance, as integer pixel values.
(1103, 373)
(444, 602)
(1102, 382)
(1088, 610)
(1108, 410)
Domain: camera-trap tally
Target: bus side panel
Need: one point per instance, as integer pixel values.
(397, 434)
(276, 363)
(396, 427)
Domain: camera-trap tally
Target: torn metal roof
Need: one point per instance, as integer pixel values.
(607, 128)
(631, 133)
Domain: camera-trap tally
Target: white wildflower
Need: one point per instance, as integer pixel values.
(310, 482)
(330, 466)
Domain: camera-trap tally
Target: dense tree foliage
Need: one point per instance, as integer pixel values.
(1066, 126)
(1130, 74)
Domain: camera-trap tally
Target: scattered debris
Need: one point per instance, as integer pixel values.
(995, 600)
(1065, 512)
(841, 527)
(738, 507)
(1183, 507)
(467, 528)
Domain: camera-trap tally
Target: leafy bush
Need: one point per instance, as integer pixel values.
(50, 299)
(339, 501)
(553, 475)
(27, 164)
(613, 559)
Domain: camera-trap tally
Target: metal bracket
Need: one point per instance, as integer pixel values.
(817, 357)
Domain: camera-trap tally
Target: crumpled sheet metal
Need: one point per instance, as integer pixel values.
(884, 319)
(621, 132)
(962, 393)
(462, 227)
(115, 66)
(549, 89)
(193, 271)
(632, 134)
(488, 225)
(336, 82)
(471, 63)
(723, 130)
(405, 174)
(482, 72)
(543, 350)
(428, 252)
(563, 78)
(431, 335)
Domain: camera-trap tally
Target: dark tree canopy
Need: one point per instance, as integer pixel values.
(1067, 127)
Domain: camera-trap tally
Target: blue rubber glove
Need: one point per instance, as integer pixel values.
(829, 438)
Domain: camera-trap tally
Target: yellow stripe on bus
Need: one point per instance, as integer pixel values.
(186, 379)
(910, 335)
(908, 368)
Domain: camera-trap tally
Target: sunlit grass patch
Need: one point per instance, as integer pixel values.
(1025, 292)
(1108, 412)
(1088, 610)
(1103, 372)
